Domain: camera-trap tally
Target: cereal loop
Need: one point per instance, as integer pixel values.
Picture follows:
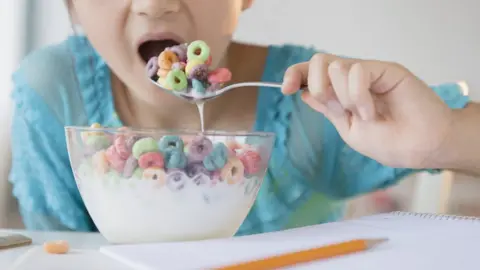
(154, 174)
(56, 247)
(199, 148)
(162, 73)
(177, 80)
(152, 159)
(233, 172)
(143, 146)
(198, 50)
(176, 160)
(167, 59)
(251, 161)
(114, 159)
(152, 67)
(198, 86)
(100, 161)
(191, 65)
(220, 75)
(217, 158)
(163, 83)
(121, 146)
(131, 165)
(170, 143)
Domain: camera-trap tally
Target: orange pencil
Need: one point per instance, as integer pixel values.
(308, 255)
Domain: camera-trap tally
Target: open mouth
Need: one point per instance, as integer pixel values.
(153, 48)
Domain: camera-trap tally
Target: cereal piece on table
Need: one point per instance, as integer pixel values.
(56, 247)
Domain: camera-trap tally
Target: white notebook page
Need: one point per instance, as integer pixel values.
(415, 243)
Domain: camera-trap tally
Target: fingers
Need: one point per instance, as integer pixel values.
(294, 78)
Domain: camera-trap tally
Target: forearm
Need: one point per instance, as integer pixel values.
(461, 150)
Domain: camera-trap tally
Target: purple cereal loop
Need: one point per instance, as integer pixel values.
(152, 67)
(180, 51)
(130, 165)
(199, 72)
(176, 180)
(193, 169)
(199, 148)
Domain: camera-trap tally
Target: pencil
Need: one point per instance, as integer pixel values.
(308, 255)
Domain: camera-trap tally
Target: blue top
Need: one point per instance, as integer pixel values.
(311, 170)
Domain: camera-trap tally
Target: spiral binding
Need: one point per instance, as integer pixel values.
(437, 216)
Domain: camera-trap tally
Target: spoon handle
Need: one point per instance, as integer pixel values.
(259, 84)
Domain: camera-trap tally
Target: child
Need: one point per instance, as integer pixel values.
(100, 77)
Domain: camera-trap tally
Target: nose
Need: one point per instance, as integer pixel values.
(155, 8)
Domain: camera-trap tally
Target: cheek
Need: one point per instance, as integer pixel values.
(217, 28)
(103, 21)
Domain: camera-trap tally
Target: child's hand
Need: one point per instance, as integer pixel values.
(380, 109)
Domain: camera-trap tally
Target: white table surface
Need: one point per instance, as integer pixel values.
(83, 253)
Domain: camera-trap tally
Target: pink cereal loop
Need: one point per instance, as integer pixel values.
(114, 159)
(251, 161)
(121, 147)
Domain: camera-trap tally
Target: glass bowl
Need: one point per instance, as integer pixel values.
(144, 185)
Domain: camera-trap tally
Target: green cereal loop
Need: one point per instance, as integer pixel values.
(145, 145)
(177, 80)
(194, 47)
(98, 141)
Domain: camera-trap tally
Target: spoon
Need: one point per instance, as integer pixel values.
(200, 98)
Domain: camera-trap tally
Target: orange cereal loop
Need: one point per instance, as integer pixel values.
(162, 73)
(56, 247)
(167, 59)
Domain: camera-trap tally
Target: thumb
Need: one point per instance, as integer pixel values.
(332, 110)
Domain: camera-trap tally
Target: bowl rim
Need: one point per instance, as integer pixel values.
(181, 132)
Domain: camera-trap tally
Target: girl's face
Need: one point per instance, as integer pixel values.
(126, 33)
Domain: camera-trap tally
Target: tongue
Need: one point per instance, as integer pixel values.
(154, 48)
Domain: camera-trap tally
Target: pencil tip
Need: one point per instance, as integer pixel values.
(375, 242)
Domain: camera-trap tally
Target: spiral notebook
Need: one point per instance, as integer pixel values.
(416, 241)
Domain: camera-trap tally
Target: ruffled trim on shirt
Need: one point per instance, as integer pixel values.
(63, 208)
(94, 79)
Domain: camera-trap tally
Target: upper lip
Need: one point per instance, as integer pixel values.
(159, 36)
